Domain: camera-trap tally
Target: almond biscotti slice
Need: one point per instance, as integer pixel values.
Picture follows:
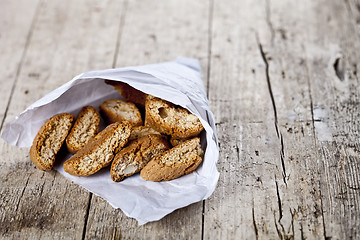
(49, 140)
(99, 151)
(129, 93)
(178, 161)
(170, 119)
(141, 131)
(85, 127)
(116, 110)
(136, 155)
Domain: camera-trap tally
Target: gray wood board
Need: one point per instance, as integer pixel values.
(283, 83)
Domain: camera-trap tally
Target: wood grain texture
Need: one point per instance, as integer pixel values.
(334, 68)
(161, 34)
(67, 38)
(283, 83)
(294, 196)
(16, 22)
(245, 205)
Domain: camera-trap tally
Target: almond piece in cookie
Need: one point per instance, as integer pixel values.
(85, 127)
(49, 140)
(141, 131)
(180, 160)
(129, 93)
(170, 119)
(99, 151)
(136, 155)
(116, 110)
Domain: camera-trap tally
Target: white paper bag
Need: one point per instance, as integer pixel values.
(178, 82)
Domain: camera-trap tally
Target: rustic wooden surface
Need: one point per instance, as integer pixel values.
(282, 78)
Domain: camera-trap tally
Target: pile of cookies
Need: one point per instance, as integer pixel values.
(163, 147)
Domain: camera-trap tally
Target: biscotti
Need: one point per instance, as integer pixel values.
(141, 131)
(129, 93)
(180, 160)
(170, 119)
(176, 141)
(85, 127)
(99, 151)
(116, 110)
(49, 140)
(136, 155)
(133, 145)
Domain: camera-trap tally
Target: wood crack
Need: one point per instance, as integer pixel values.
(86, 216)
(301, 232)
(278, 200)
(254, 224)
(22, 193)
(202, 219)
(310, 96)
(278, 133)
(282, 156)
(238, 152)
(263, 55)
(277, 229)
(42, 186)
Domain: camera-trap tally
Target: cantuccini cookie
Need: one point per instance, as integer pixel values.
(170, 119)
(173, 163)
(136, 155)
(129, 93)
(176, 141)
(116, 110)
(49, 140)
(85, 127)
(99, 151)
(141, 131)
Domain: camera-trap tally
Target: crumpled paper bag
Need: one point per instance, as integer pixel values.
(178, 82)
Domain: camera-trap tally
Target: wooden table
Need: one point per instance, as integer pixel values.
(282, 78)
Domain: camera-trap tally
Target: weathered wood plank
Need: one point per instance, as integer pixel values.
(16, 20)
(245, 204)
(284, 87)
(334, 69)
(169, 30)
(68, 37)
(299, 191)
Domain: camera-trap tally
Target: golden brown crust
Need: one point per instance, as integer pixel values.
(49, 140)
(180, 160)
(136, 155)
(170, 119)
(85, 127)
(129, 93)
(116, 110)
(99, 151)
(156, 172)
